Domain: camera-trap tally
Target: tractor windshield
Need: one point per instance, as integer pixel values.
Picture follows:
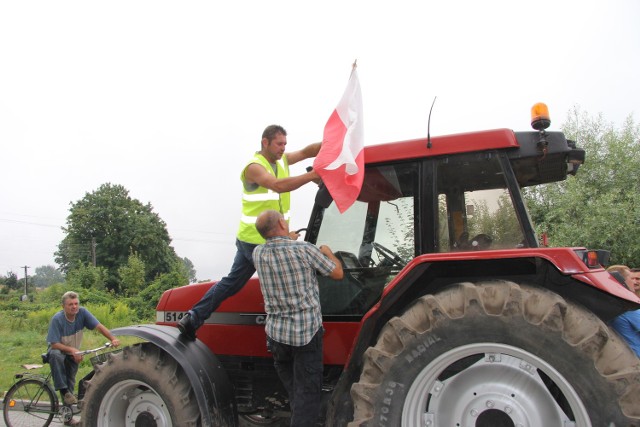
(451, 203)
(374, 239)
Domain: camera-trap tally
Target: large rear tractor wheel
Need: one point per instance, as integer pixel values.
(141, 386)
(497, 354)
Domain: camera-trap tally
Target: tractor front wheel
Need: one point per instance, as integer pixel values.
(141, 386)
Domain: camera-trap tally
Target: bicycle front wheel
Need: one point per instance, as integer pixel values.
(29, 402)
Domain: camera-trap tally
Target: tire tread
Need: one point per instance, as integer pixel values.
(613, 360)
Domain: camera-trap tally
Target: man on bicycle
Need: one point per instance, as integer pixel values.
(65, 338)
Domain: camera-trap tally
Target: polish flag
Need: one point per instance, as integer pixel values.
(340, 162)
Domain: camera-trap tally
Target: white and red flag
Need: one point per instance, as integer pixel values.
(340, 162)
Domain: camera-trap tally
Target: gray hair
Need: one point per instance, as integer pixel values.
(69, 295)
(267, 222)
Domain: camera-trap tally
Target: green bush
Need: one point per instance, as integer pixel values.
(53, 295)
(113, 316)
(39, 320)
(144, 304)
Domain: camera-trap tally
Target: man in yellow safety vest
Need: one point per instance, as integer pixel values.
(266, 185)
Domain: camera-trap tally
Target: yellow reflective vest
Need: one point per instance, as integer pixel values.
(259, 200)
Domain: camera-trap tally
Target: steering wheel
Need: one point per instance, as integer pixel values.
(480, 242)
(390, 258)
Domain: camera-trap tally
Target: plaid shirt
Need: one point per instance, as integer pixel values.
(287, 271)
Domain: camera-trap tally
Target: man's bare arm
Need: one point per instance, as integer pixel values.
(307, 152)
(67, 349)
(108, 335)
(337, 272)
(257, 174)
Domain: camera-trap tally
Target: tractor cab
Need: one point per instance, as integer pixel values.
(463, 194)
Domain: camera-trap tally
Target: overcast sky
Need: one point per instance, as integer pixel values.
(169, 99)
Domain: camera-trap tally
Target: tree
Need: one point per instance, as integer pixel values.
(106, 226)
(146, 301)
(132, 275)
(87, 277)
(11, 281)
(190, 268)
(599, 207)
(47, 275)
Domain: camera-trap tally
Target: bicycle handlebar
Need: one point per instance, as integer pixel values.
(94, 350)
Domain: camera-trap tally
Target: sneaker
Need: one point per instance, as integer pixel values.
(186, 327)
(72, 422)
(70, 399)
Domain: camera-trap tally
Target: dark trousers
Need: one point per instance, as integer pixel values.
(300, 370)
(241, 271)
(63, 369)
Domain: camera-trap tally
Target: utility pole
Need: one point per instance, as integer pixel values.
(24, 297)
(93, 251)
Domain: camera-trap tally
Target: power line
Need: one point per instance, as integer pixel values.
(16, 221)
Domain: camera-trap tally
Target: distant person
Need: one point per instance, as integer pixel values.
(65, 338)
(622, 273)
(627, 325)
(287, 271)
(266, 184)
(635, 280)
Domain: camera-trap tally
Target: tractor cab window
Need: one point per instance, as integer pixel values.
(374, 239)
(476, 211)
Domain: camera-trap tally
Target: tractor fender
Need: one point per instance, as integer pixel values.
(209, 380)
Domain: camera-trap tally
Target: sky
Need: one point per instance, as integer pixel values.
(169, 99)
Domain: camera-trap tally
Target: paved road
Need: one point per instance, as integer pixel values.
(56, 422)
(53, 423)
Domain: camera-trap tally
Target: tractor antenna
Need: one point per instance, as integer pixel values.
(429, 124)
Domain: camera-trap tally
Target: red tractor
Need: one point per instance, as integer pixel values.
(450, 312)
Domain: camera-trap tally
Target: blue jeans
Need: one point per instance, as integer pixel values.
(300, 370)
(241, 271)
(63, 370)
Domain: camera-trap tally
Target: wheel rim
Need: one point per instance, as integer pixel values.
(30, 402)
(493, 384)
(135, 402)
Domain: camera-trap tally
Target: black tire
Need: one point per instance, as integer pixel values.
(261, 421)
(29, 403)
(497, 354)
(141, 385)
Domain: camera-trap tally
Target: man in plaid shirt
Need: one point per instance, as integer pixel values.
(287, 271)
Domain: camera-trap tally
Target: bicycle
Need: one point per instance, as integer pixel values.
(32, 400)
